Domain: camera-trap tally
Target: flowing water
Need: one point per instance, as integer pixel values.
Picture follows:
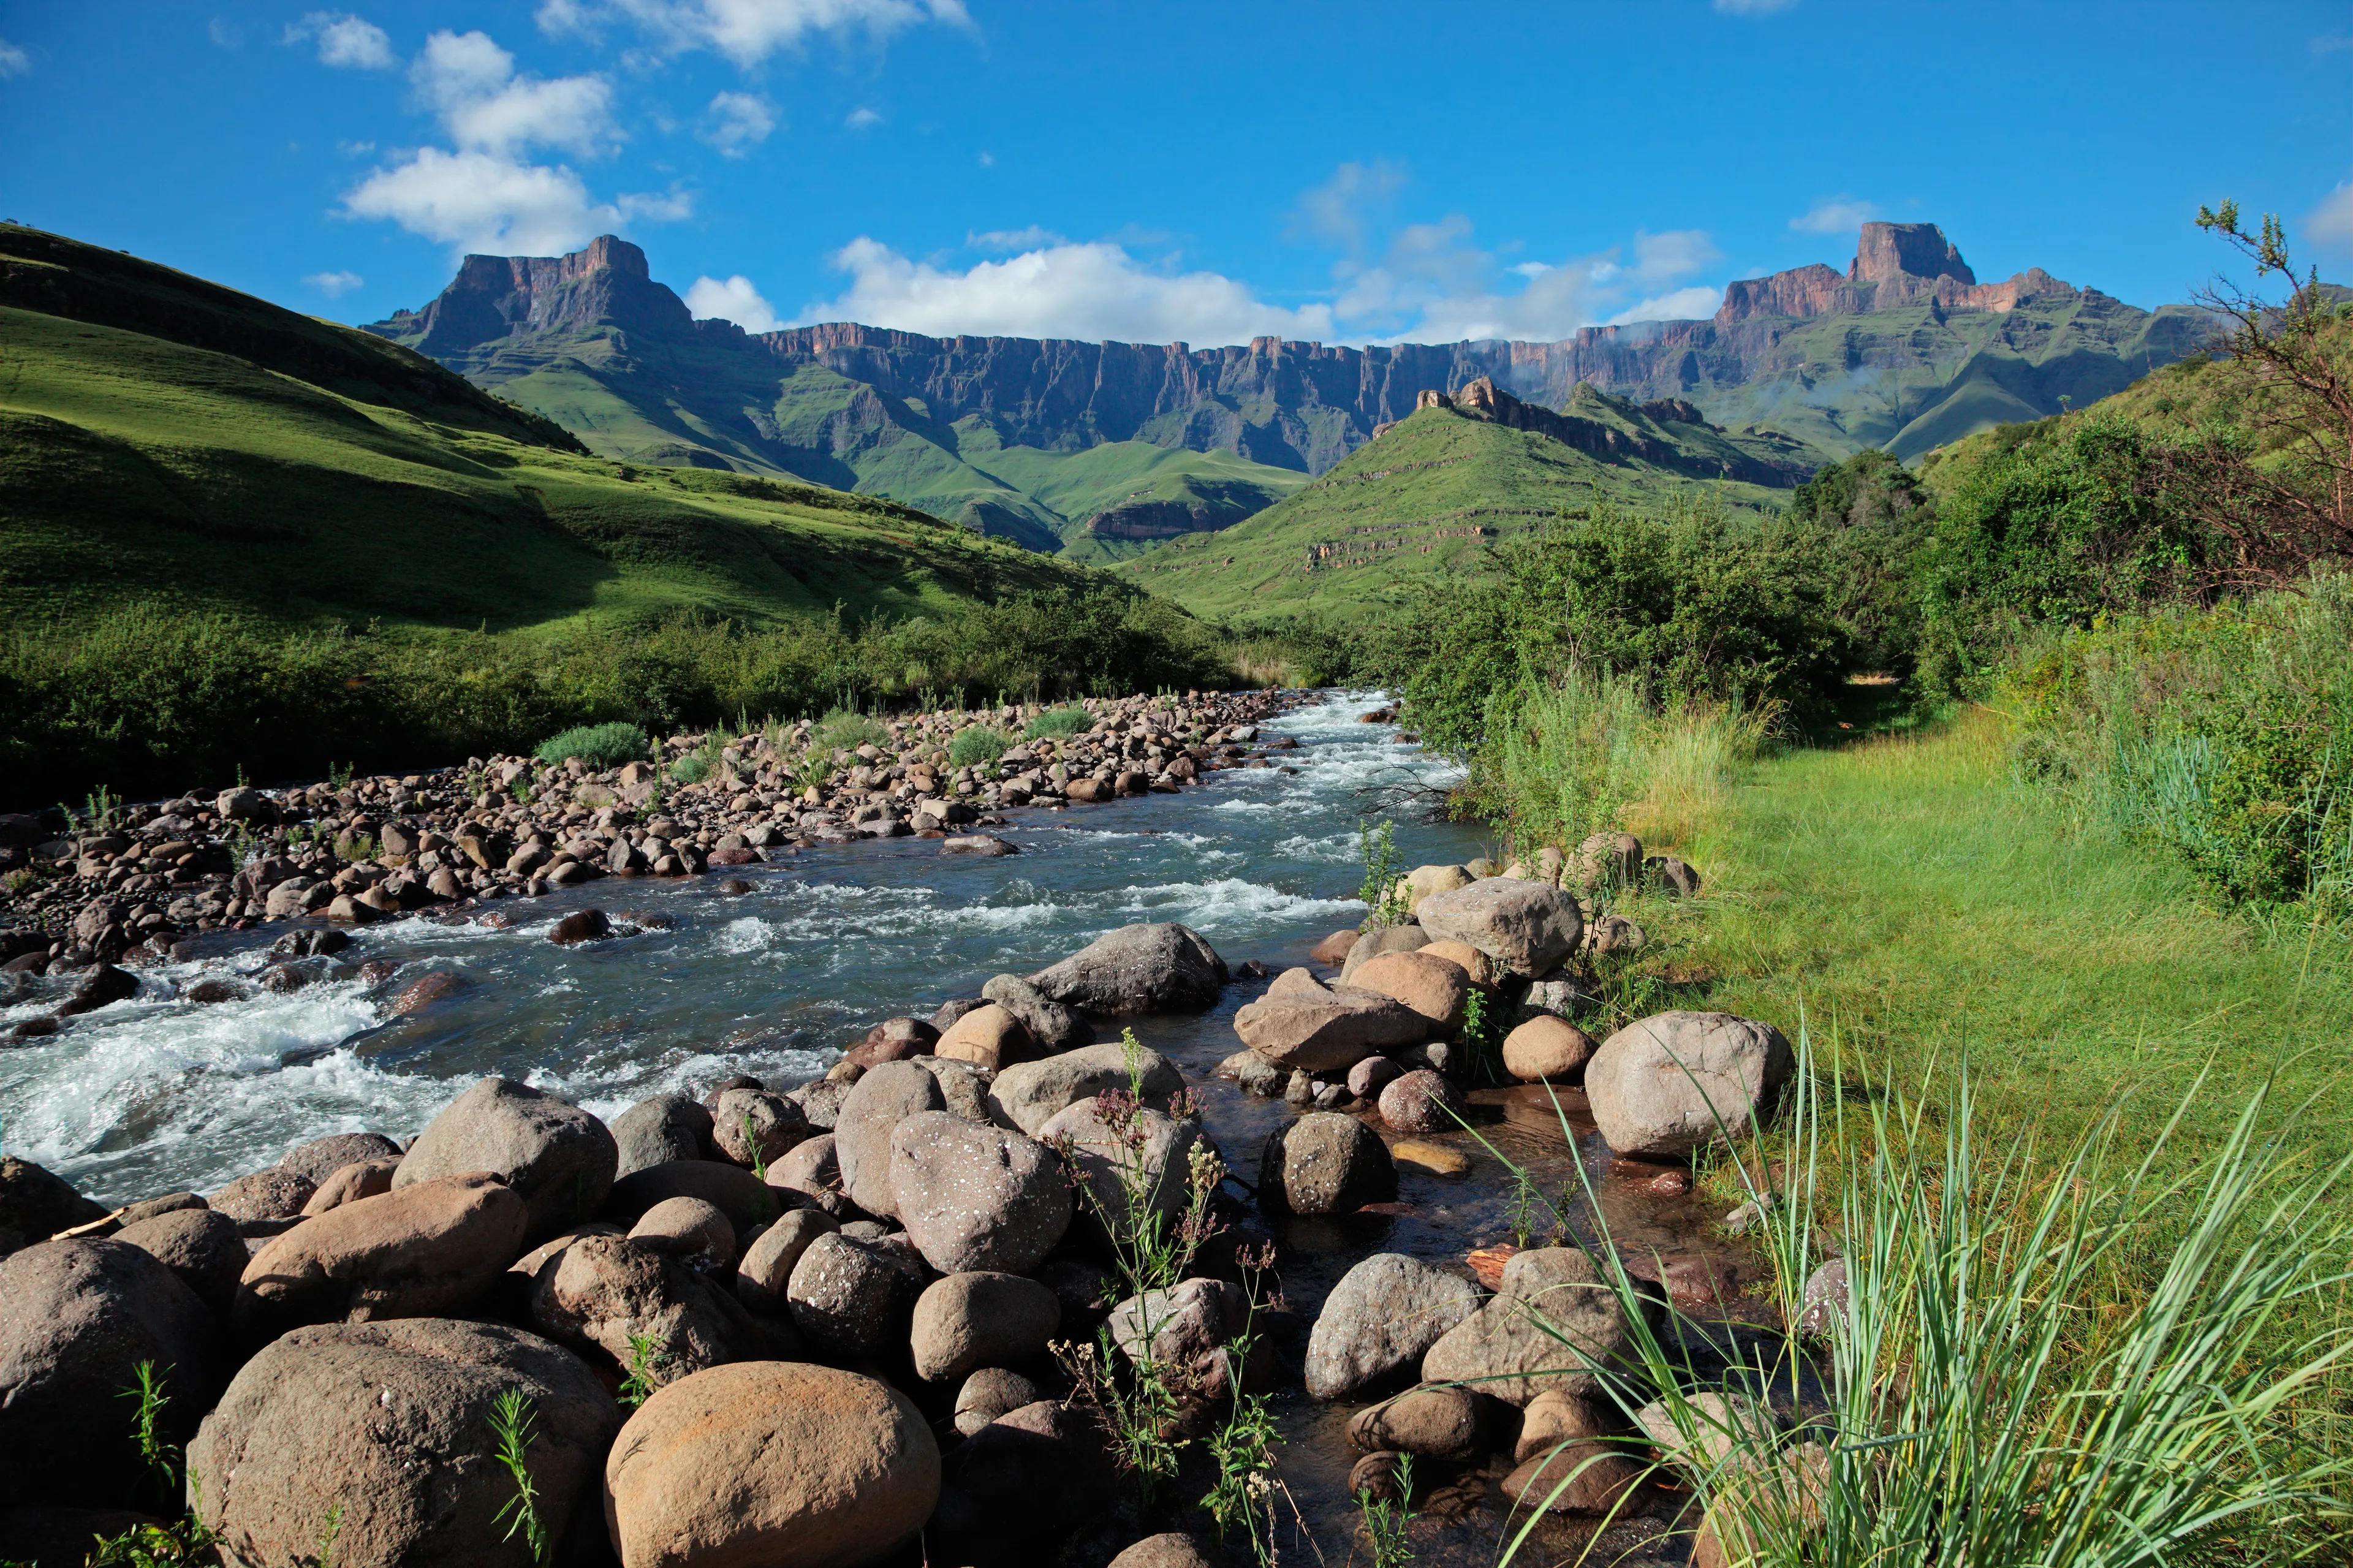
(155, 1094)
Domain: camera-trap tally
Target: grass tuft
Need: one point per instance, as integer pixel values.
(598, 746)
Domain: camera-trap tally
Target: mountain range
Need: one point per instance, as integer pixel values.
(1103, 451)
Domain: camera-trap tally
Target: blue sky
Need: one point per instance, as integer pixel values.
(1207, 172)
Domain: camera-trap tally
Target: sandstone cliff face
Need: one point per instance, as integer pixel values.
(1483, 399)
(1297, 406)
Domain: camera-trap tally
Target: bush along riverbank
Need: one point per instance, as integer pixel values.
(120, 884)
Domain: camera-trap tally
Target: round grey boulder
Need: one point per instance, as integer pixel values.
(1556, 1324)
(322, 1157)
(659, 1129)
(886, 1096)
(1379, 1321)
(976, 1197)
(1024, 1097)
(1527, 927)
(1162, 968)
(1665, 1085)
(202, 1247)
(967, 1321)
(1326, 1162)
(558, 1158)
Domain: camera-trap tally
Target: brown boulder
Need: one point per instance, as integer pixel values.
(420, 1252)
(651, 1313)
(1303, 1025)
(769, 1465)
(988, 1037)
(385, 1430)
(202, 1247)
(1548, 1049)
(368, 1179)
(558, 1158)
(265, 1195)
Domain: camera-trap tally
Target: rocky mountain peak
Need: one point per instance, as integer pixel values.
(493, 298)
(1890, 250)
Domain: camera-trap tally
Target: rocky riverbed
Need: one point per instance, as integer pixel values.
(819, 1287)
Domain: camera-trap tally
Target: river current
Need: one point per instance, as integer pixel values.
(155, 1094)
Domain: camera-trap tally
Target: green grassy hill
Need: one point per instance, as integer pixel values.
(162, 438)
(1431, 494)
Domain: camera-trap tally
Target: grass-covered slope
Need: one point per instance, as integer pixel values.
(164, 437)
(1430, 495)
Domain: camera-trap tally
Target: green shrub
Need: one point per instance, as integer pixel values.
(977, 743)
(1058, 724)
(1687, 606)
(599, 746)
(845, 731)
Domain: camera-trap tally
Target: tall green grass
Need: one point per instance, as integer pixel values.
(2101, 1351)
(2224, 737)
(1588, 751)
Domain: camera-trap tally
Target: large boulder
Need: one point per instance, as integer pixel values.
(1182, 1328)
(659, 1129)
(1054, 1027)
(1408, 937)
(988, 1037)
(263, 1198)
(385, 1428)
(651, 1313)
(967, 1321)
(1422, 1102)
(1026, 1097)
(558, 1158)
(368, 1179)
(976, 1197)
(1526, 928)
(76, 1318)
(1380, 1320)
(877, 1103)
(202, 1247)
(322, 1157)
(1326, 1162)
(424, 1251)
(1666, 1085)
(1555, 1324)
(35, 1205)
(1015, 1490)
(1303, 1025)
(1164, 968)
(852, 1297)
(1133, 1161)
(1419, 883)
(1432, 987)
(769, 1465)
(743, 1197)
(1548, 1049)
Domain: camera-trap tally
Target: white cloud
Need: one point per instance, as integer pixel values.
(859, 119)
(1840, 214)
(1683, 305)
(737, 122)
(335, 285)
(14, 61)
(470, 83)
(483, 195)
(344, 40)
(2330, 226)
(987, 160)
(747, 31)
(1342, 208)
(1093, 292)
(1753, 7)
(1030, 238)
(481, 202)
(733, 301)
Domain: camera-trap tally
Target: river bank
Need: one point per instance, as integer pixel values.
(766, 983)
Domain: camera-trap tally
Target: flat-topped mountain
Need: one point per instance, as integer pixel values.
(1904, 349)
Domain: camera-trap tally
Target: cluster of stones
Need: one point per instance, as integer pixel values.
(376, 847)
(829, 1305)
